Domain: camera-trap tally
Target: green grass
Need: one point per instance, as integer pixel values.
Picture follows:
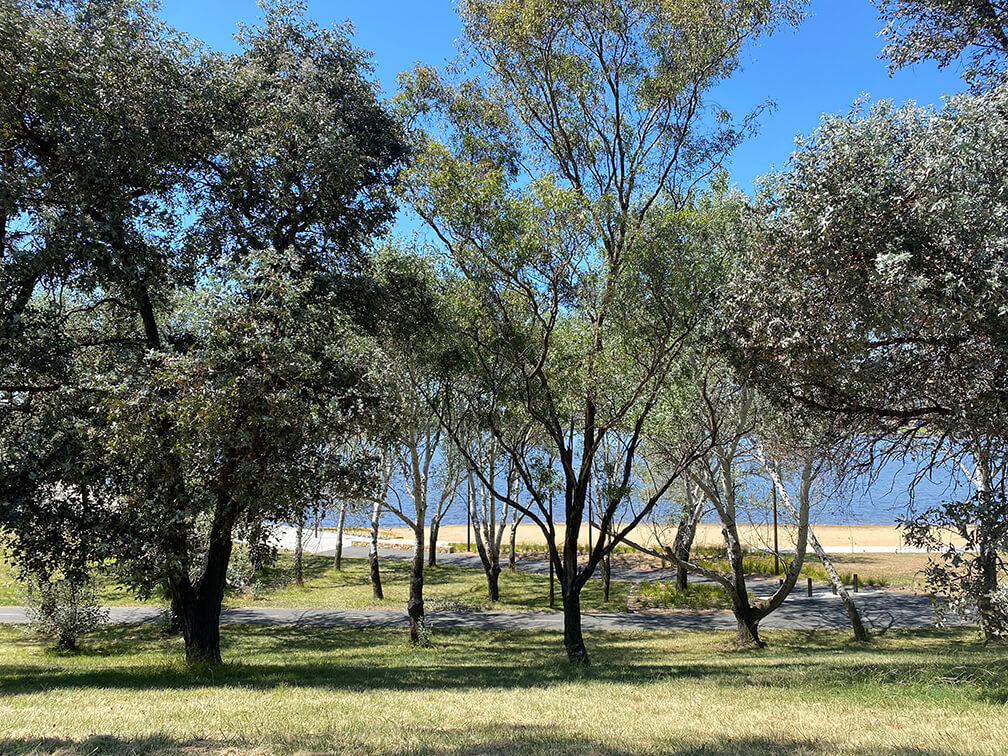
(12, 591)
(311, 690)
(447, 585)
(763, 565)
(662, 594)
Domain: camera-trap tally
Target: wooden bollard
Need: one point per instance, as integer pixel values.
(810, 587)
(834, 588)
(855, 582)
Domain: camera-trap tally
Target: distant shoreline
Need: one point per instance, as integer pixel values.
(834, 538)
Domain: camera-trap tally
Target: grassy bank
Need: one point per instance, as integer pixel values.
(303, 690)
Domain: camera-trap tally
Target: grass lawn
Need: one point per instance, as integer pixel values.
(445, 586)
(449, 586)
(310, 690)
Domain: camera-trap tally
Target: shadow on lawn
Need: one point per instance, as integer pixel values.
(363, 659)
(531, 740)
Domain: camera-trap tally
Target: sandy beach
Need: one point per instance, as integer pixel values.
(834, 538)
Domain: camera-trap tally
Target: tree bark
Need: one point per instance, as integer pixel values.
(986, 549)
(748, 629)
(493, 582)
(682, 546)
(435, 526)
(199, 606)
(376, 586)
(338, 557)
(574, 643)
(299, 557)
(606, 576)
(512, 557)
(860, 634)
(415, 605)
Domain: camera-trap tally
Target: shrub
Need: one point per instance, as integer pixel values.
(63, 608)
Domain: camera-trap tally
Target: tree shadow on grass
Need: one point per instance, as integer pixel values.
(368, 659)
(526, 740)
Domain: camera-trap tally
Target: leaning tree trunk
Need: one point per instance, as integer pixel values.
(415, 605)
(376, 586)
(860, 634)
(338, 557)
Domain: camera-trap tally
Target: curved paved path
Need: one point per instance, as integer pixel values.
(879, 609)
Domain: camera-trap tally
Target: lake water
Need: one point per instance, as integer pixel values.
(881, 501)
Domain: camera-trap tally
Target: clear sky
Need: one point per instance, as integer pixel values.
(820, 68)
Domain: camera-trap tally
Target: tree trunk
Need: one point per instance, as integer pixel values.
(376, 587)
(573, 637)
(990, 623)
(199, 606)
(748, 630)
(606, 576)
(414, 606)
(493, 582)
(860, 634)
(682, 546)
(435, 526)
(299, 557)
(681, 577)
(512, 560)
(338, 557)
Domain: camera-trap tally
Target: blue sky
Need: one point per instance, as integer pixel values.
(820, 68)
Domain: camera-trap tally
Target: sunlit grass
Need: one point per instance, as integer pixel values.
(444, 583)
(663, 594)
(312, 690)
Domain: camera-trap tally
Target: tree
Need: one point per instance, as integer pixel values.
(253, 404)
(555, 184)
(874, 287)
(946, 31)
(104, 175)
(488, 514)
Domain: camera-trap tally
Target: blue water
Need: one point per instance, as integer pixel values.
(880, 501)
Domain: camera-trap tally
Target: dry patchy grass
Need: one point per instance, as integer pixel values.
(309, 690)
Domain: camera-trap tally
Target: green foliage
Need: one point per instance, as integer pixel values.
(947, 31)
(62, 608)
(188, 321)
(874, 289)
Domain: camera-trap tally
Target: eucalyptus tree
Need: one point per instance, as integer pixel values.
(947, 31)
(449, 478)
(556, 173)
(130, 184)
(416, 451)
(772, 469)
(875, 290)
(489, 515)
(727, 412)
